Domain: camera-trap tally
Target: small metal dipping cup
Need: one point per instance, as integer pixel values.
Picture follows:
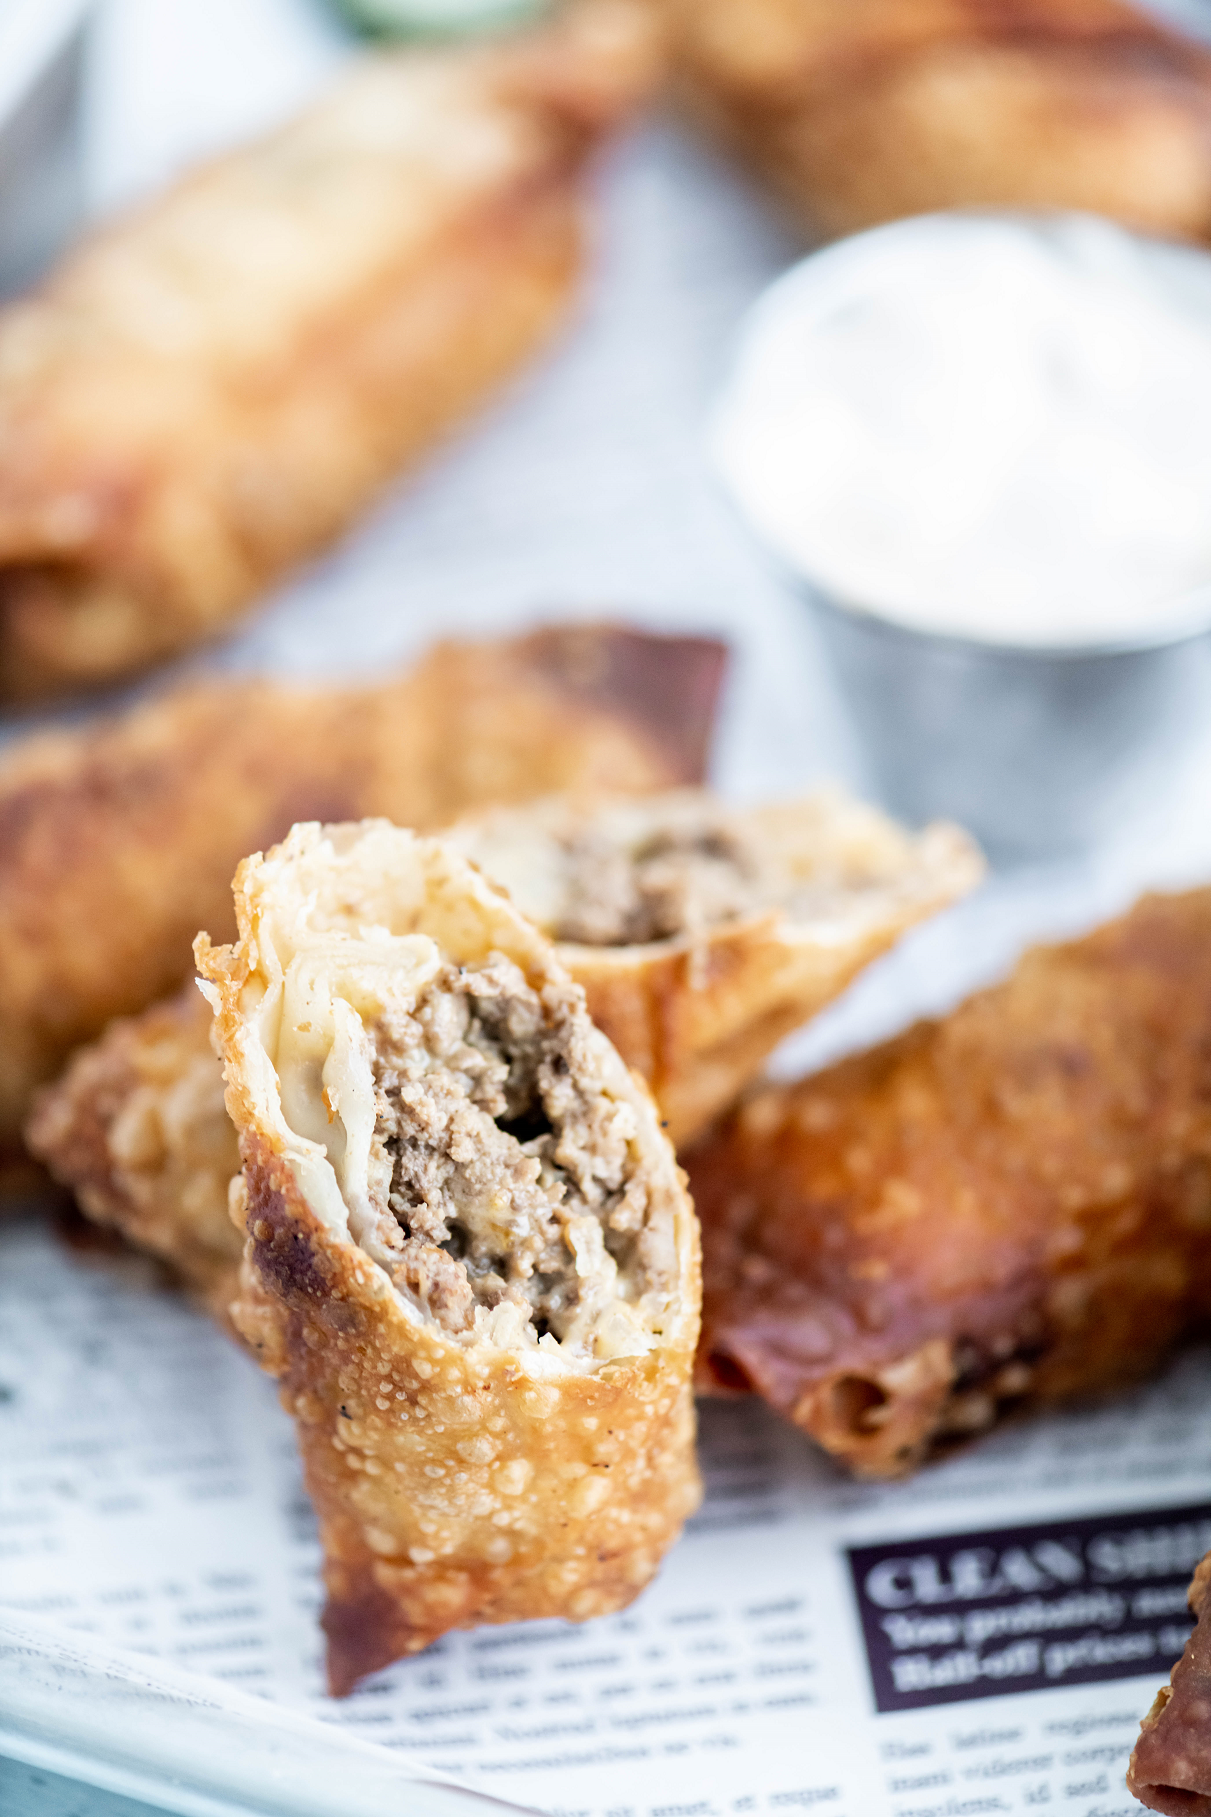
(1037, 752)
(1038, 748)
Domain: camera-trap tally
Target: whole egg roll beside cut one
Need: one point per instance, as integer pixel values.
(119, 841)
(1010, 1205)
(699, 932)
(210, 390)
(861, 111)
(1170, 1769)
(471, 1262)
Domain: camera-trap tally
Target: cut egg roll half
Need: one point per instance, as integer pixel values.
(471, 1259)
(704, 933)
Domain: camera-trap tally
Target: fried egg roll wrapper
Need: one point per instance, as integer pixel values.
(1011, 1204)
(861, 111)
(716, 930)
(138, 1128)
(703, 934)
(1170, 1770)
(211, 390)
(471, 1261)
(118, 843)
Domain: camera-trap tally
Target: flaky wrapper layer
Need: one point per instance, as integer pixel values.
(456, 1483)
(1009, 1206)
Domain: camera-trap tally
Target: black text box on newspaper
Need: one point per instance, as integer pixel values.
(1065, 1602)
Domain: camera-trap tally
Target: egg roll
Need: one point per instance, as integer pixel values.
(702, 933)
(861, 111)
(699, 933)
(1170, 1769)
(210, 390)
(471, 1259)
(119, 841)
(1008, 1206)
(138, 1129)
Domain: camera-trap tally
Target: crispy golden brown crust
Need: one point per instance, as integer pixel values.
(539, 1455)
(861, 111)
(138, 1129)
(1170, 1770)
(457, 1480)
(209, 391)
(1011, 1204)
(118, 843)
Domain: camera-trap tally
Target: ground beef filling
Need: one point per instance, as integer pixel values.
(508, 1176)
(680, 880)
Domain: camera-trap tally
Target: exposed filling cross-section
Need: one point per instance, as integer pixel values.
(505, 1178)
(680, 878)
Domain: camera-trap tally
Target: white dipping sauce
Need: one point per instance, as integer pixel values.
(997, 427)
